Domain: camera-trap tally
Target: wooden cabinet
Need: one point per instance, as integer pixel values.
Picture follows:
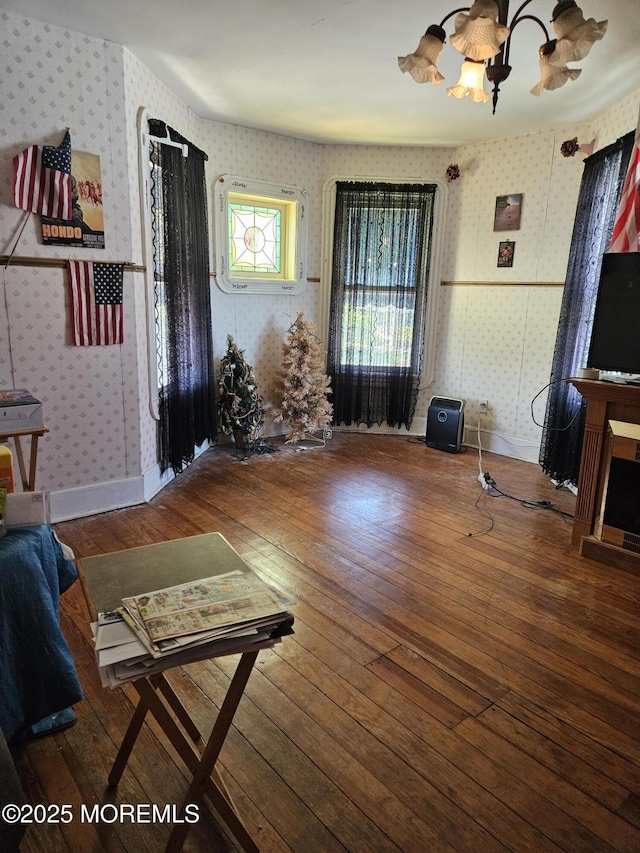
(605, 401)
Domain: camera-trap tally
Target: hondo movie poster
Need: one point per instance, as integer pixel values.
(86, 226)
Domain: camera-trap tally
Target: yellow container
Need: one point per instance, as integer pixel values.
(6, 469)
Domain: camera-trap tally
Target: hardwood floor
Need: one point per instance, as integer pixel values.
(443, 691)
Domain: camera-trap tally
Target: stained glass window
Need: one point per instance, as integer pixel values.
(255, 235)
(260, 236)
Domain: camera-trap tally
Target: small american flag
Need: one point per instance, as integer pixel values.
(95, 294)
(626, 229)
(42, 180)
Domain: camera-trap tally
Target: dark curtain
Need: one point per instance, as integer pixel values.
(381, 255)
(183, 307)
(600, 191)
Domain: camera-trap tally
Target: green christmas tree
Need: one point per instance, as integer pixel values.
(240, 406)
(304, 383)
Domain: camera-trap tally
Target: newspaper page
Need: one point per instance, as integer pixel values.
(204, 605)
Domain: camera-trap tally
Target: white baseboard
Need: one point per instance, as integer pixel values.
(99, 497)
(67, 504)
(154, 481)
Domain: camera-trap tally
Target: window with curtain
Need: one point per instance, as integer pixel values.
(380, 272)
(183, 307)
(600, 190)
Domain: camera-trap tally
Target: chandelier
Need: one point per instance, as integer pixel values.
(483, 36)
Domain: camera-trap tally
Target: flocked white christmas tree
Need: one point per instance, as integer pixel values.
(304, 385)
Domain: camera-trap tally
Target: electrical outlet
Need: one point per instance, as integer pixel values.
(483, 407)
(484, 482)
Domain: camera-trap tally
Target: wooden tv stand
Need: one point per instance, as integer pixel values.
(605, 401)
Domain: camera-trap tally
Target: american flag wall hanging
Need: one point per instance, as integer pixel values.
(42, 180)
(95, 300)
(626, 229)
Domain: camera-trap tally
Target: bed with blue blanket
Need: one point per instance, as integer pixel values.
(37, 674)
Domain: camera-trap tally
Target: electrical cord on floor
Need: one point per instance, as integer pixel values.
(486, 512)
(479, 447)
(492, 491)
(489, 484)
(495, 492)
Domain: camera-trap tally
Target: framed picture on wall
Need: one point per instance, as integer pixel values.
(508, 212)
(86, 227)
(505, 253)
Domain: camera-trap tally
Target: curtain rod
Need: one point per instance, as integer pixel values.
(59, 263)
(166, 140)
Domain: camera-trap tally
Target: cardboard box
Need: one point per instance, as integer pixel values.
(19, 410)
(25, 508)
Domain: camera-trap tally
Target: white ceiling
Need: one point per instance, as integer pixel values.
(326, 70)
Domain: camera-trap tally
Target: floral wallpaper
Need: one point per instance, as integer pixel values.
(493, 342)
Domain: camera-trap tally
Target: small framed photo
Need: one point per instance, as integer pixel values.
(506, 251)
(508, 211)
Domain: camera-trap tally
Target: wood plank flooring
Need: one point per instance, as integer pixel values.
(446, 689)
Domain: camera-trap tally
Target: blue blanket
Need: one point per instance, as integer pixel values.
(37, 674)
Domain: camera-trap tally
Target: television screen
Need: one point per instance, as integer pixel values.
(615, 336)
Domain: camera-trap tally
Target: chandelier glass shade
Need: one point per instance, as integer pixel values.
(422, 64)
(478, 34)
(483, 35)
(471, 82)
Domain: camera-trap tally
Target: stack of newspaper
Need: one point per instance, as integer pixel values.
(225, 614)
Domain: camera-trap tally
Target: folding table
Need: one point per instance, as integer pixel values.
(28, 482)
(107, 579)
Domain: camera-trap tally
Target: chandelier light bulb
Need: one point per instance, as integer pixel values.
(471, 82)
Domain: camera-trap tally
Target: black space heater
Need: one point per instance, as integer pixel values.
(445, 424)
